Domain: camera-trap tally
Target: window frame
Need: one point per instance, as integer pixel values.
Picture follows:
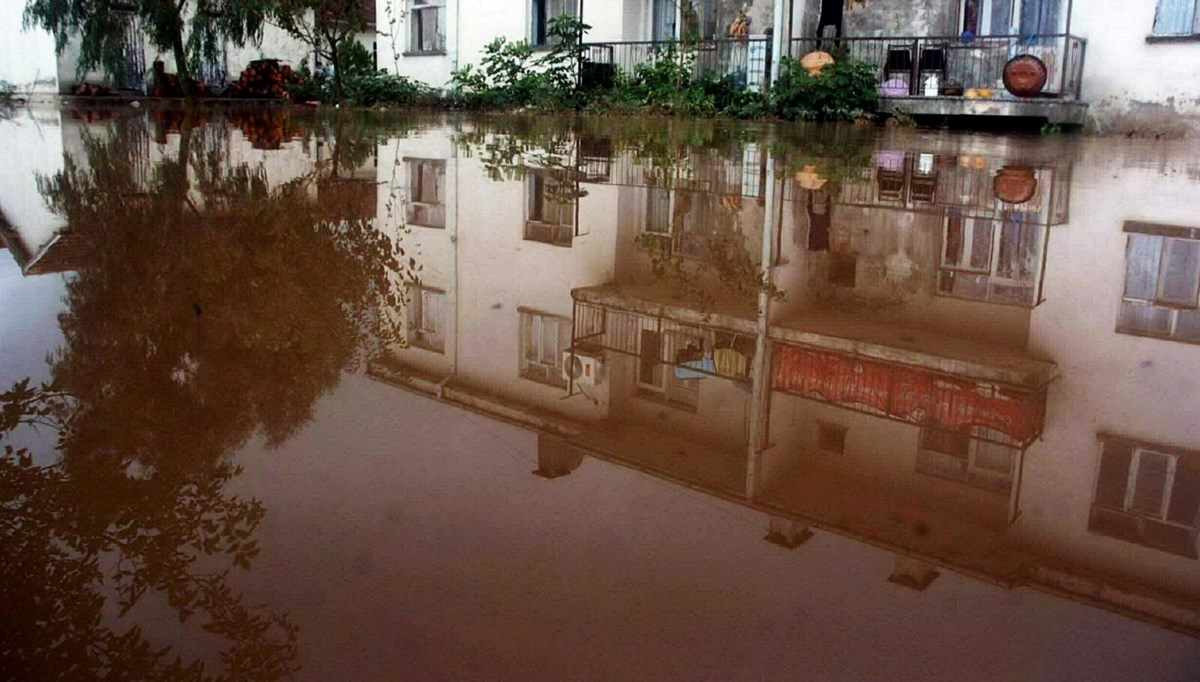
(669, 389)
(972, 473)
(536, 227)
(836, 432)
(539, 20)
(420, 7)
(1172, 36)
(414, 166)
(1112, 511)
(433, 340)
(536, 370)
(1171, 310)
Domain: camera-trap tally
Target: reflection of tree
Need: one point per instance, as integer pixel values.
(214, 307)
(73, 540)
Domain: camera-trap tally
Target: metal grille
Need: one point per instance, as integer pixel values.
(698, 349)
(901, 60)
(913, 395)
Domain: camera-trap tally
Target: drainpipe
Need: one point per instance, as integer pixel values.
(778, 39)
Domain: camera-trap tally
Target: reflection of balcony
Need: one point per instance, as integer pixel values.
(962, 387)
(1012, 415)
(971, 186)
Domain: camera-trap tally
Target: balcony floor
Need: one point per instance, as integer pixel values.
(1062, 112)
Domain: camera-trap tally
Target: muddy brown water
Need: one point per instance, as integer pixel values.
(299, 396)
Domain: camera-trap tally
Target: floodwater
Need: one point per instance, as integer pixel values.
(300, 396)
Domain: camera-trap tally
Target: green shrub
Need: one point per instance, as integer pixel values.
(510, 76)
(842, 91)
(354, 60)
(381, 87)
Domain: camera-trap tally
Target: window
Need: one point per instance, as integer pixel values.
(428, 35)
(544, 339)
(700, 20)
(427, 319)
(658, 210)
(843, 270)
(1148, 494)
(1177, 18)
(973, 458)
(542, 12)
(426, 192)
(660, 381)
(831, 437)
(550, 205)
(1162, 283)
(987, 17)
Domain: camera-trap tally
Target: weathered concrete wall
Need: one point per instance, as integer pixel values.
(882, 17)
(1134, 86)
(900, 17)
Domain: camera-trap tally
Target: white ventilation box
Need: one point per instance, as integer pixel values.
(584, 368)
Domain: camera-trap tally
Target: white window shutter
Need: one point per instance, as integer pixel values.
(1175, 17)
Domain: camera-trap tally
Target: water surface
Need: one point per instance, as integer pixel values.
(301, 396)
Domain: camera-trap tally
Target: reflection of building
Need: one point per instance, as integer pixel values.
(877, 405)
(42, 145)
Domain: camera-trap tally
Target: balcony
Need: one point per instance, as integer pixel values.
(946, 76)
(747, 60)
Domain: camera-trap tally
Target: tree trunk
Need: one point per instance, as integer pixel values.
(338, 91)
(181, 66)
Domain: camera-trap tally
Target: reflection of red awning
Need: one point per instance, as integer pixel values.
(909, 394)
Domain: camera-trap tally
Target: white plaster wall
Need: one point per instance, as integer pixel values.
(471, 24)
(27, 57)
(1122, 70)
(392, 42)
(434, 249)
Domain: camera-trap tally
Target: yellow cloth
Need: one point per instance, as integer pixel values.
(729, 362)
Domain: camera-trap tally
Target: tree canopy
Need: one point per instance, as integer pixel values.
(193, 30)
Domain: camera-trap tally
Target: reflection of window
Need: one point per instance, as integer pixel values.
(545, 10)
(427, 33)
(1147, 494)
(831, 437)
(427, 192)
(990, 259)
(544, 338)
(843, 270)
(662, 381)
(958, 456)
(428, 319)
(1162, 285)
(550, 205)
(658, 210)
(1177, 18)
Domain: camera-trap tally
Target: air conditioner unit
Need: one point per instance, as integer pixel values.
(584, 368)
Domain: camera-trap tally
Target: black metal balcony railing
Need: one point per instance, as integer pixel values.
(904, 61)
(747, 59)
(685, 350)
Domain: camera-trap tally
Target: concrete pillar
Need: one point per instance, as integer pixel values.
(912, 573)
(556, 457)
(779, 37)
(760, 371)
(786, 532)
